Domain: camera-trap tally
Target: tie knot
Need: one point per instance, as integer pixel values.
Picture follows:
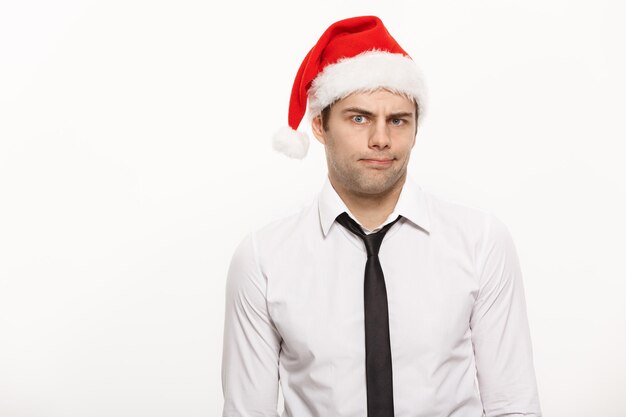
(372, 241)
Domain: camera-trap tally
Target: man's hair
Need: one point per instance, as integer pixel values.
(325, 113)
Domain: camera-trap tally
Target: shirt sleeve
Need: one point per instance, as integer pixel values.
(500, 331)
(251, 342)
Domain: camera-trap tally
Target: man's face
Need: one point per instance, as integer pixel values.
(368, 141)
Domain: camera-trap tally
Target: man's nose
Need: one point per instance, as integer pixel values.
(380, 137)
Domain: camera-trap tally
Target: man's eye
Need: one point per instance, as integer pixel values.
(397, 122)
(358, 119)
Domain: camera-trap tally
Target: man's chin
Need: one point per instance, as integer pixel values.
(378, 185)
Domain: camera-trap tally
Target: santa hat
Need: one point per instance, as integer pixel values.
(356, 54)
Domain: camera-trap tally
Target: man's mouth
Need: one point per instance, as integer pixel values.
(377, 161)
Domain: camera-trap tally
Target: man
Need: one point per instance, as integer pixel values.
(379, 299)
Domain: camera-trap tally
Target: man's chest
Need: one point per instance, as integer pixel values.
(316, 301)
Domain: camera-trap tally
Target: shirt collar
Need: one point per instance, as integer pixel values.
(411, 205)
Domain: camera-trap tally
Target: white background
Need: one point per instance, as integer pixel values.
(135, 155)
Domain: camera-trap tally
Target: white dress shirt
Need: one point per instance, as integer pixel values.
(459, 334)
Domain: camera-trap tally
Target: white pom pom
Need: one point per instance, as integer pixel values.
(290, 142)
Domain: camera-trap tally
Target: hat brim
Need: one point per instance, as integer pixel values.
(367, 71)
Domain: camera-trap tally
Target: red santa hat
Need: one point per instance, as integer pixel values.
(355, 54)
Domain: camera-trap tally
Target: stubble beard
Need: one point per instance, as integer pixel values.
(366, 181)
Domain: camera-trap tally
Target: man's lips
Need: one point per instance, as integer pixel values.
(377, 161)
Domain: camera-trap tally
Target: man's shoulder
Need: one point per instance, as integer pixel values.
(270, 238)
(450, 213)
(448, 205)
(290, 224)
(476, 229)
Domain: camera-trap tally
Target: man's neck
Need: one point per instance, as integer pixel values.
(371, 210)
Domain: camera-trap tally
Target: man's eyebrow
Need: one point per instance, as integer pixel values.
(357, 110)
(401, 115)
(369, 113)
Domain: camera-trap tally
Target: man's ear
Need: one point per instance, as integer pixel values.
(318, 129)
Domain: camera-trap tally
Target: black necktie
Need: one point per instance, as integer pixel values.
(377, 345)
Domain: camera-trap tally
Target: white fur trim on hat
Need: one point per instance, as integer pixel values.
(367, 71)
(291, 142)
